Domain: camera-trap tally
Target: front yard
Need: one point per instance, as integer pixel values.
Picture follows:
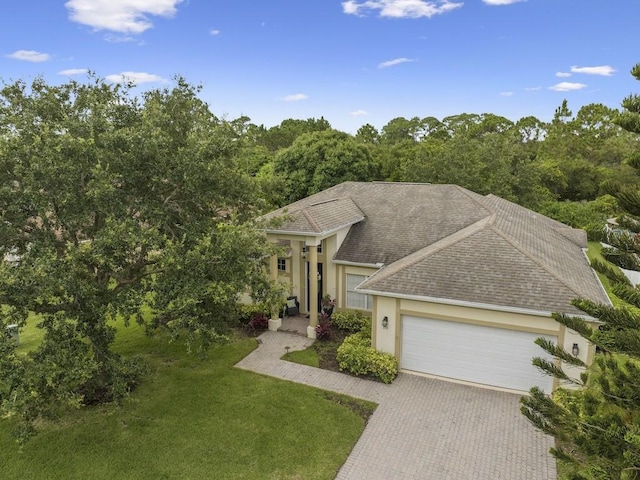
(195, 419)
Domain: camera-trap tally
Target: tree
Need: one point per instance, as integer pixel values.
(319, 160)
(114, 206)
(283, 135)
(597, 426)
(368, 134)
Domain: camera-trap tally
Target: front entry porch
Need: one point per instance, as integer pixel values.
(295, 324)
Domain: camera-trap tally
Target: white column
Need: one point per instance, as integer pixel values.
(313, 291)
(274, 322)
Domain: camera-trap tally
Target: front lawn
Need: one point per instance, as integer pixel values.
(195, 419)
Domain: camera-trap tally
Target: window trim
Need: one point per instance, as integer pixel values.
(282, 264)
(368, 299)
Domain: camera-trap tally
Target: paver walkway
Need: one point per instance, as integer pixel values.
(423, 428)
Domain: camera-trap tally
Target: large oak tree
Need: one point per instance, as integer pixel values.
(114, 206)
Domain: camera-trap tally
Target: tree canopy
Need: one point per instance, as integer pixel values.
(115, 206)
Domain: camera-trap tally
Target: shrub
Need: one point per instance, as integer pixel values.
(350, 320)
(258, 322)
(247, 312)
(357, 357)
(323, 329)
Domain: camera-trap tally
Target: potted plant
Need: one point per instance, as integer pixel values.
(327, 304)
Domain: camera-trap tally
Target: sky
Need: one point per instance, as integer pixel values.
(352, 62)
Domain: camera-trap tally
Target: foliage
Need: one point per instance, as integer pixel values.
(114, 206)
(357, 357)
(319, 160)
(323, 329)
(259, 321)
(246, 311)
(597, 426)
(587, 215)
(350, 320)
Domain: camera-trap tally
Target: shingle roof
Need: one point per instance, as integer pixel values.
(318, 216)
(445, 242)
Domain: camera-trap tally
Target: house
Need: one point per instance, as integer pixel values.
(458, 285)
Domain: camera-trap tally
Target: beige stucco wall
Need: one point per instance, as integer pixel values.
(329, 285)
(385, 339)
(389, 339)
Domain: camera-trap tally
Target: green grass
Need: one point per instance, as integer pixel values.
(308, 356)
(195, 419)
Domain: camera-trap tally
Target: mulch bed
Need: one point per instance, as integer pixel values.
(327, 349)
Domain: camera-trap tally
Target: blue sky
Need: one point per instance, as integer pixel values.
(353, 62)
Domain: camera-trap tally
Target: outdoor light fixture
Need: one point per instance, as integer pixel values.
(575, 350)
(385, 322)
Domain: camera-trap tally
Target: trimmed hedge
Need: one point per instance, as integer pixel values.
(357, 357)
(350, 320)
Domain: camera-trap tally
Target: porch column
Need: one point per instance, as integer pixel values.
(274, 322)
(313, 291)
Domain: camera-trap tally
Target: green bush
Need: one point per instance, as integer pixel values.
(247, 312)
(350, 320)
(357, 357)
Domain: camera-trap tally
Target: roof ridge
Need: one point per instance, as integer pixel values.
(424, 252)
(308, 216)
(468, 193)
(535, 260)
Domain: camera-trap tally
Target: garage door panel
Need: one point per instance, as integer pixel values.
(474, 353)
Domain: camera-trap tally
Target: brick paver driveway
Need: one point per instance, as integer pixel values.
(423, 428)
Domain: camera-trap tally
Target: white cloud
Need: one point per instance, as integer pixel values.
(296, 97)
(134, 77)
(395, 61)
(29, 56)
(125, 16)
(501, 2)
(563, 74)
(119, 38)
(214, 32)
(506, 94)
(532, 89)
(73, 71)
(567, 86)
(400, 8)
(604, 70)
(359, 113)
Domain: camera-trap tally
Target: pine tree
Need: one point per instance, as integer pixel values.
(597, 425)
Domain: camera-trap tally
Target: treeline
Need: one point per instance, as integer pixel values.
(563, 168)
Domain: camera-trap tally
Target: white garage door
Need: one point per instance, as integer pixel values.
(474, 353)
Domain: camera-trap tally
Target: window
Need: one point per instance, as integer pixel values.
(305, 249)
(357, 299)
(282, 265)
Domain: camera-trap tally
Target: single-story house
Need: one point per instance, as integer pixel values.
(458, 285)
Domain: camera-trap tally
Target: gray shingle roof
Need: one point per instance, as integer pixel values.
(318, 216)
(445, 242)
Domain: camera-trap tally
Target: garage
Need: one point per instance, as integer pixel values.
(475, 353)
